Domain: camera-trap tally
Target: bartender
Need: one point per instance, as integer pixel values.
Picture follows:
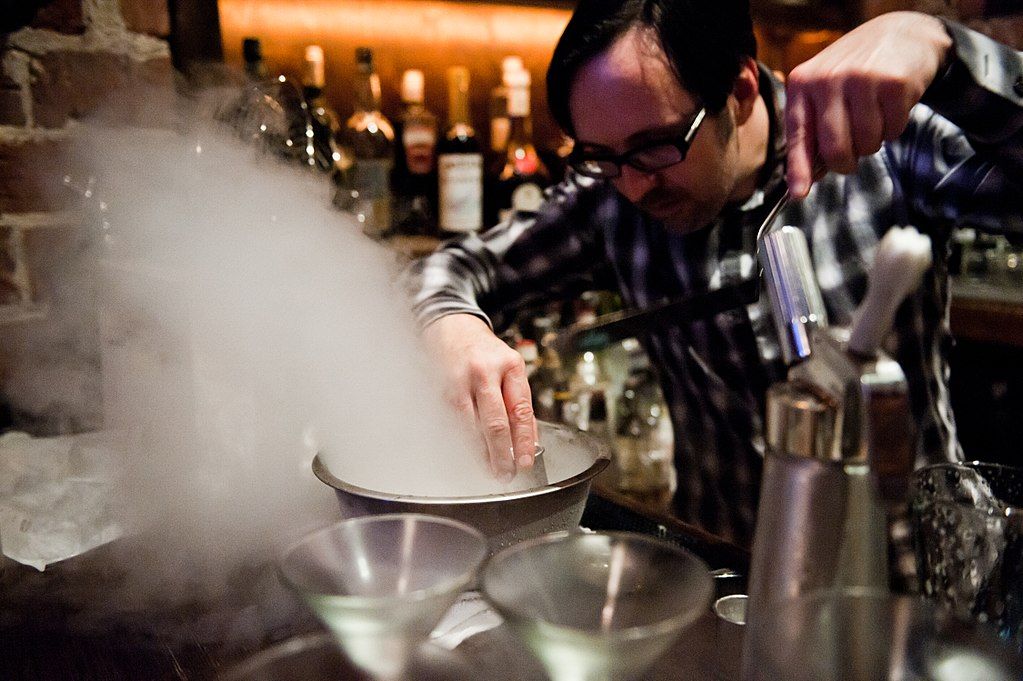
(683, 142)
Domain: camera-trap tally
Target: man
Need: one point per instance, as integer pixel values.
(683, 143)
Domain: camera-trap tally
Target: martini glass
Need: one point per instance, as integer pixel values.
(597, 606)
(382, 583)
(316, 657)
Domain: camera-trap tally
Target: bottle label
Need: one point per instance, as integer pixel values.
(518, 102)
(527, 197)
(372, 177)
(461, 192)
(419, 141)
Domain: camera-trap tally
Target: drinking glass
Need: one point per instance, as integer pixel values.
(860, 634)
(968, 531)
(316, 657)
(382, 583)
(597, 606)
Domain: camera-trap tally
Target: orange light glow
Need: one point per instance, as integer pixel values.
(408, 21)
(430, 35)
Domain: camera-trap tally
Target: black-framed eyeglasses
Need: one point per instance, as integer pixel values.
(646, 158)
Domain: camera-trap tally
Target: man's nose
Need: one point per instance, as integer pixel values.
(634, 184)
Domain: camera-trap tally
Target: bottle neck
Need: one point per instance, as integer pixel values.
(412, 107)
(458, 109)
(367, 91)
(520, 131)
(256, 70)
(312, 92)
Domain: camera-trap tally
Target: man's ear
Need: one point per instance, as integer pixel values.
(746, 89)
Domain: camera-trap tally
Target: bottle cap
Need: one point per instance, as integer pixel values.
(517, 78)
(413, 86)
(512, 63)
(252, 50)
(314, 66)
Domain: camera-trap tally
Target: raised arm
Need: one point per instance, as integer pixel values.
(859, 91)
(475, 284)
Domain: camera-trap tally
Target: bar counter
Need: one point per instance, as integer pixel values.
(987, 313)
(44, 640)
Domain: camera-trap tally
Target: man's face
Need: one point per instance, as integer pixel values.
(628, 96)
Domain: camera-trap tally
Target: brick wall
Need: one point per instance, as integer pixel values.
(98, 60)
(78, 59)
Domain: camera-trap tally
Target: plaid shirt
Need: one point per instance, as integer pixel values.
(937, 176)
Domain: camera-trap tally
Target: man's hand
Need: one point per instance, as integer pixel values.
(857, 92)
(486, 382)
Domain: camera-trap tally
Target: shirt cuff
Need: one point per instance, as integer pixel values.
(980, 87)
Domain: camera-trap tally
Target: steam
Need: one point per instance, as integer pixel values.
(243, 326)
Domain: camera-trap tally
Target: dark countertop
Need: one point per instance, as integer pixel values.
(987, 313)
(52, 638)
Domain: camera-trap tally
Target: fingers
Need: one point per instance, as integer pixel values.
(831, 124)
(802, 148)
(867, 126)
(858, 92)
(504, 408)
(493, 422)
(485, 381)
(834, 136)
(894, 103)
(518, 402)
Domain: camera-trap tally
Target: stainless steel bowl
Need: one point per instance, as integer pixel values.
(505, 518)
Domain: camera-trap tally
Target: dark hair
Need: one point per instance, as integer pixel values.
(705, 42)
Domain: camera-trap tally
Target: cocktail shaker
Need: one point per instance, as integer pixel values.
(838, 454)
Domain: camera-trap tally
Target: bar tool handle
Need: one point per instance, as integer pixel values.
(792, 288)
(901, 259)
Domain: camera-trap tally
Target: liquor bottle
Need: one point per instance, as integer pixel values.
(322, 123)
(499, 122)
(252, 54)
(460, 162)
(415, 169)
(549, 386)
(643, 443)
(257, 114)
(588, 388)
(370, 137)
(518, 184)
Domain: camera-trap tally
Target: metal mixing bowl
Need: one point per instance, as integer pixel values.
(505, 518)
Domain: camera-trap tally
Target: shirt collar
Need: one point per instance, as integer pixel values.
(772, 175)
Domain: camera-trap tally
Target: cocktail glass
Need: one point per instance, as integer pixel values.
(381, 583)
(316, 657)
(596, 606)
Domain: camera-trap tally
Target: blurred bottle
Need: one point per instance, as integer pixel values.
(322, 123)
(530, 355)
(370, 137)
(415, 164)
(266, 110)
(643, 445)
(556, 159)
(500, 124)
(460, 162)
(549, 386)
(517, 185)
(252, 55)
(587, 406)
